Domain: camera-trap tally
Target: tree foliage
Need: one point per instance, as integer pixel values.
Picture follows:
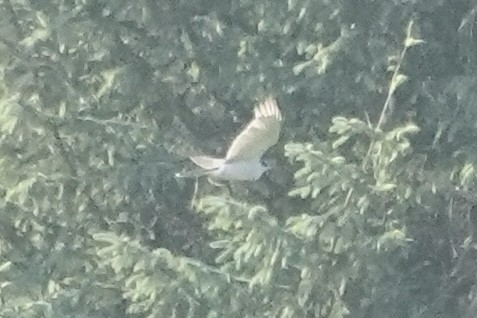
(371, 214)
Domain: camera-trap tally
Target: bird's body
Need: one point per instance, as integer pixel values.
(243, 160)
(241, 170)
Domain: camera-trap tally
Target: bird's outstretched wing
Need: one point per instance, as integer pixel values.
(259, 135)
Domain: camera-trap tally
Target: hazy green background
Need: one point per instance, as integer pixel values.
(370, 214)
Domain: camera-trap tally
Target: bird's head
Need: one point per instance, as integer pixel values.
(268, 164)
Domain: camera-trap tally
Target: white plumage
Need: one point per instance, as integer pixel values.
(243, 158)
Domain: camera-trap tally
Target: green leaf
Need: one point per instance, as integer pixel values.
(194, 72)
(220, 244)
(398, 80)
(39, 34)
(384, 187)
(20, 192)
(467, 174)
(340, 141)
(5, 266)
(412, 42)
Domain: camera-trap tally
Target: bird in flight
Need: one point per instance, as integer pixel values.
(243, 160)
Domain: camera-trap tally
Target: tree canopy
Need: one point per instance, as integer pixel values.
(370, 213)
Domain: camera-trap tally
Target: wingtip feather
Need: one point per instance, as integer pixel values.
(268, 108)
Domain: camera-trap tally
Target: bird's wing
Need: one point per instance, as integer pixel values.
(259, 135)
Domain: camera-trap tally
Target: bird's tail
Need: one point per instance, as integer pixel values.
(206, 164)
(196, 173)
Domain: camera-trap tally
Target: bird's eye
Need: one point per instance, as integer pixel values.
(263, 163)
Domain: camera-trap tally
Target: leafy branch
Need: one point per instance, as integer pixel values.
(397, 78)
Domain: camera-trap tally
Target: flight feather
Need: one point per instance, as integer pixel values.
(259, 135)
